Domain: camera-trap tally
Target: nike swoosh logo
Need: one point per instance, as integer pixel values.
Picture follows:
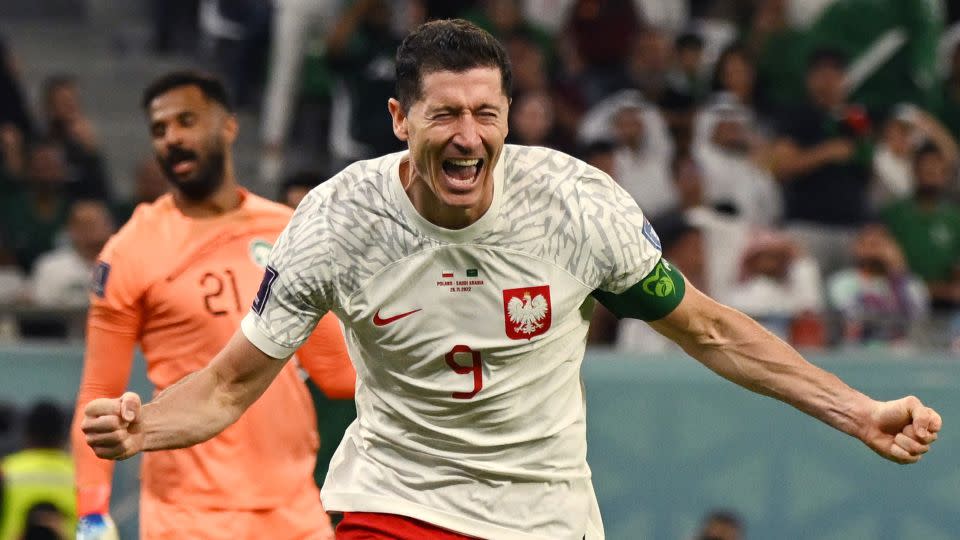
(377, 321)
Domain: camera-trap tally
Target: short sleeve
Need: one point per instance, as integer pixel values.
(623, 245)
(296, 290)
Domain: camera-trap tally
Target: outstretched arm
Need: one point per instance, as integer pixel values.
(739, 349)
(191, 411)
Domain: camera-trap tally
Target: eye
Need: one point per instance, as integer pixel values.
(187, 119)
(157, 130)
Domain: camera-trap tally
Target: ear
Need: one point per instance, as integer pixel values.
(231, 128)
(399, 119)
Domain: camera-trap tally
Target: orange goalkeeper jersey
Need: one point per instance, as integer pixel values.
(179, 287)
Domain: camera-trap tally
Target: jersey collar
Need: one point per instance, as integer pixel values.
(466, 234)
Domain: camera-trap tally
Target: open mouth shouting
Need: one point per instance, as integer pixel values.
(462, 174)
(181, 162)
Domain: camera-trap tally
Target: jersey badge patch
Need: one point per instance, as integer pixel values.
(263, 294)
(526, 311)
(651, 234)
(99, 279)
(260, 251)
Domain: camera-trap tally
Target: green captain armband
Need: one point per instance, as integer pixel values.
(652, 298)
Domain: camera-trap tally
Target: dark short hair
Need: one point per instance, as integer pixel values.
(926, 149)
(723, 515)
(595, 148)
(688, 40)
(827, 57)
(211, 87)
(55, 82)
(733, 50)
(447, 45)
(45, 425)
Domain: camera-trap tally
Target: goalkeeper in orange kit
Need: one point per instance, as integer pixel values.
(177, 279)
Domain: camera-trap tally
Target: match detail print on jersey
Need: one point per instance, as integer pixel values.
(527, 311)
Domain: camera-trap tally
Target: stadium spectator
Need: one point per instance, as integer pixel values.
(297, 185)
(732, 158)
(926, 225)
(149, 184)
(686, 84)
(780, 51)
(294, 22)
(33, 215)
(12, 154)
(821, 157)
(949, 111)
(648, 64)
(644, 148)
(599, 154)
(532, 121)
(62, 277)
(40, 473)
(361, 49)
(599, 37)
(505, 20)
(175, 27)
(735, 75)
(176, 280)
(236, 36)
(530, 63)
(721, 525)
(67, 123)
(879, 300)
(45, 522)
(777, 283)
(13, 105)
(12, 277)
(894, 48)
(907, 128)
(686, 80)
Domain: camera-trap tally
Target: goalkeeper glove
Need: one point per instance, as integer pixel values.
(96, 527)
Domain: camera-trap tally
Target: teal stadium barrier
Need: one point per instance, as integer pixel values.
(670, 440)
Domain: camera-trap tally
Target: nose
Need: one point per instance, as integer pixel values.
(467, 138)
(172, 136)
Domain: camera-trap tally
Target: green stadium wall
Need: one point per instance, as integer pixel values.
(668, 441)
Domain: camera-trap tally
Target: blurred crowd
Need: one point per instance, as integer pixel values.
(37, 500)
(794, 169)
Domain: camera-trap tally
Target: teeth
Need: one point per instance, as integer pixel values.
(464, 162)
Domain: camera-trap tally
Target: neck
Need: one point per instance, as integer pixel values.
(225, 199)
(432, 209)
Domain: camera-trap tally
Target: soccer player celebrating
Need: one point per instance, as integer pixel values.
(176, 279)
(465, 271)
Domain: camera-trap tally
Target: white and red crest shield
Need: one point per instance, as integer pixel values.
(527, 311)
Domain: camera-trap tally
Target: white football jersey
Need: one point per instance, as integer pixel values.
(467, 343)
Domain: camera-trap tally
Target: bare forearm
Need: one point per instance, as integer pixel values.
(789, 161)
(739, 349)
(189, 412)
(205, 402)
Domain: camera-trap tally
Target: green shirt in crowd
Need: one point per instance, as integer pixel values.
(930, 239)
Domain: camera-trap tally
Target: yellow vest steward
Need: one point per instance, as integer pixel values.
(33, 476)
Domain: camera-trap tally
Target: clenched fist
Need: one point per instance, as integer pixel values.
(112, 426)
(902, 430)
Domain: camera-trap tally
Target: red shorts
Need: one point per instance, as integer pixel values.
(375, 526)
